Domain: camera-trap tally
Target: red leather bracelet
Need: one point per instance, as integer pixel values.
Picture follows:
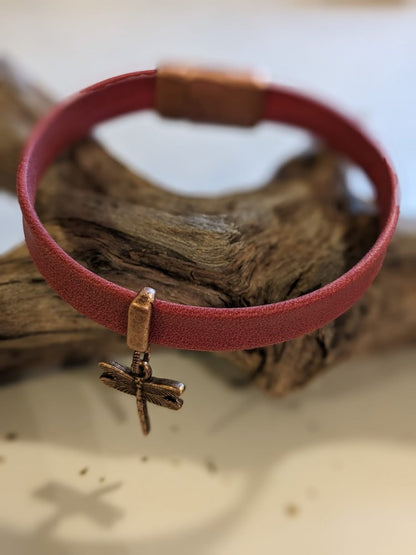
(218, 98)
(193, 327)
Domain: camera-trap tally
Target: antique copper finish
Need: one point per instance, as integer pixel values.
(138, 326)
(212, 96)
(137, 379)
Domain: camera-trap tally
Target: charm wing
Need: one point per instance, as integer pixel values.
(117, 376)
(163, 392)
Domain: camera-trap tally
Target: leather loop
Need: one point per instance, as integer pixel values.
(192, 327)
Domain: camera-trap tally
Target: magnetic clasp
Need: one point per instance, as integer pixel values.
(211, 96)
(138, 325)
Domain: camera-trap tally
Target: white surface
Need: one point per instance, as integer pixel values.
(341, 454)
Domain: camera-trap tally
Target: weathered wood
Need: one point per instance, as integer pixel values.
(296, 233)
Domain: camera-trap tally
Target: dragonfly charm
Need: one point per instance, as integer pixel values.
(137, 380)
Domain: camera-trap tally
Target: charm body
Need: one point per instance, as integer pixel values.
(137, 380)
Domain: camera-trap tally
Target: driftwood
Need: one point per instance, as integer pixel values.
(299, 231)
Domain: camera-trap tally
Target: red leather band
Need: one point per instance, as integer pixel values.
(193, 327)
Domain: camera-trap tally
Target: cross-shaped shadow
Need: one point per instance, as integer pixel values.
(70, 501)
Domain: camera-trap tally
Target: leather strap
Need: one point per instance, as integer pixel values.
(193, 327)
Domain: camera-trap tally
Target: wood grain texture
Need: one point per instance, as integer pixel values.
(298, 232)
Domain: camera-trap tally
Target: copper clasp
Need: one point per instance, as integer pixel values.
(213, 96)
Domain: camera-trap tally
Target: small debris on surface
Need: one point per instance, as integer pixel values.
(311, 492)
(83, 471)
(2, 459)
(144, 458)
(336, 464)
(211, 466)
(101, 479)
(312, 426)
(293, 404)
(291, 510)
(11, 436)
(174, 428)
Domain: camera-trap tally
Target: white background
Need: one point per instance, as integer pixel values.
(329, 470)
